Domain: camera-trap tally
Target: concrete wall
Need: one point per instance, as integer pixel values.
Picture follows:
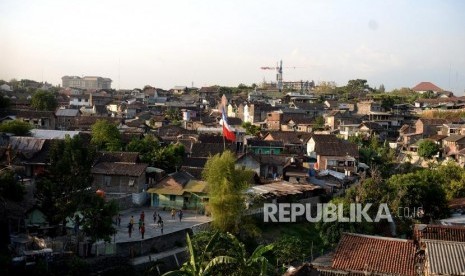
(151, 245)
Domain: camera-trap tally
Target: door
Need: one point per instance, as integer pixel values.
(155, 200)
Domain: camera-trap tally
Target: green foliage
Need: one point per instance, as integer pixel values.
(251, 129)
(454, 180)
(419, 189)
(289, 248)
(173, 114)
(168, 158)
(330, 232)
(427, 148)
(67, 181)
(222, 254)
(428, 95)
(44, 100)
(381, 89)
(4, 102)
(97, 220)
(106, 136)
(388, 103)
(10, 188)
(319, 122)
(18, 128)
(146, 147)
(226, 185)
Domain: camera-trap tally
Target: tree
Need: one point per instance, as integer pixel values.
(226, 184)
(427, 149)
(198, 263)
(251, 129)
(18, 128)
(319, 122)
(97, 220)
(387, 103)
(67, 181)
(428, 95)
(4, 102)
(44, 100)
(173, 114)
(381, 89)
(146, 147)
(419, 189)
(168, 158)
(454, 179)
(106, 136)
(227, 254)
(10, 188)
(325, 87)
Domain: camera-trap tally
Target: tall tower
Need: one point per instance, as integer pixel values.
(279, 76)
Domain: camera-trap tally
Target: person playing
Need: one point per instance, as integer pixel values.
(180, 214)
(140, 223)
(142, 216)
(129, 229)
(160, 221)
(173, 214)
(119, 220)
(161, 227)
(142, 230)
(155, 216)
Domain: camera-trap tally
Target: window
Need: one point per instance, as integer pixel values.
(332, 163)
(107, 180)
(172, 198)
(131, 182)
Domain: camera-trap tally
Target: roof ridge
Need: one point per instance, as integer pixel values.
(377, 237)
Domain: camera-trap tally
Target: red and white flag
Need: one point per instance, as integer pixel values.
(228, 132)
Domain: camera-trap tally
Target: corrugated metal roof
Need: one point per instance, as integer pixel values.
(26, 144)
(52, 134)
(67, 112)
(445, 257)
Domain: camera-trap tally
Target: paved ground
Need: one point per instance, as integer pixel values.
(152, 229)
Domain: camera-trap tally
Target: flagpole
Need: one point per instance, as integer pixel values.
(224, 103)
(224, 140)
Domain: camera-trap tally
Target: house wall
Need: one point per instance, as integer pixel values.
(364, 107)
(311, 148)
(324, 162)
(273, 120)
(268, 171)
(41, 123)
(64, 123)
(266, 150)
(249, 163)
(118, 184)
(79, 101)
(186, 201)
(165, 201)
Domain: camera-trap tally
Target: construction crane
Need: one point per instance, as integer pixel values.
(279, 73)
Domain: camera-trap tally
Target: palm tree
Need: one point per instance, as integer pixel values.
(197, 265)
(247, 265)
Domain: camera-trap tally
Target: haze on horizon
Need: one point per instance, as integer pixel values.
(166, 43)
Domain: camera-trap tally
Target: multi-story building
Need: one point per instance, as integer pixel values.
(88, 82)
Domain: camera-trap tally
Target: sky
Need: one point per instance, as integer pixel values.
(165, 43)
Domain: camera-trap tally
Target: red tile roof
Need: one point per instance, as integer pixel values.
(439, 232)
(425, 86)
(375, 254)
